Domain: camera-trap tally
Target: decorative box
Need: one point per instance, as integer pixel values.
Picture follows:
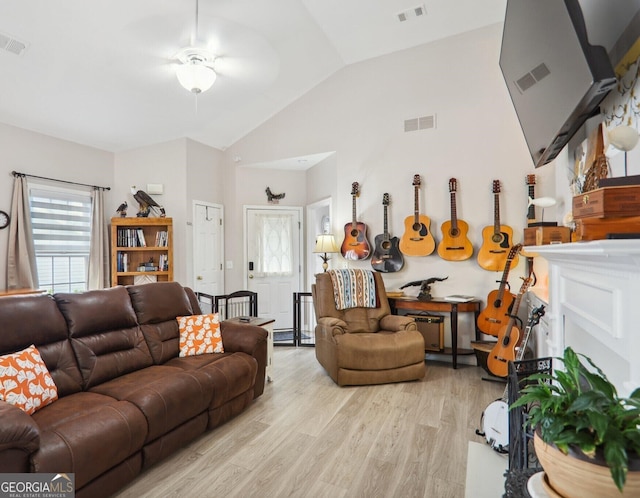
(539, 236)
(607, 202)
(602, 228)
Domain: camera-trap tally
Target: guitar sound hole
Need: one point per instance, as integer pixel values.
(497, 303)
(496, 238)
(386, 245)
(354, 234)
(454, 232)
(420, 227)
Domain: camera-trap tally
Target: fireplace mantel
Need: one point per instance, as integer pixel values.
(594, 305)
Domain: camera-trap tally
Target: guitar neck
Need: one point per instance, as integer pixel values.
(354, 223)
(416, 205)
(454, 211)
(496, 213)
(386, 225)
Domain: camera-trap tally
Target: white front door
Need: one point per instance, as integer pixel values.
(208, 244)
(272, 265)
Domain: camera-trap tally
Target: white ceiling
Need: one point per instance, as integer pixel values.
(100, 72)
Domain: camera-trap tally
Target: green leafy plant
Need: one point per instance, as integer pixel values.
(580, 408)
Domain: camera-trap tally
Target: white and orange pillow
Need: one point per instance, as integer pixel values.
(25, 380)
(200, 334)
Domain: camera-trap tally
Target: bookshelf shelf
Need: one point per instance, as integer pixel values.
(130, 250)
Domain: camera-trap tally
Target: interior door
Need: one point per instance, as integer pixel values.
(273, 269)
(208, 247)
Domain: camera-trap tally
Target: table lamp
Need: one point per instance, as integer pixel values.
(325, 243)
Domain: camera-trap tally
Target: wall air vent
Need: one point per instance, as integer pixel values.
(408, 14)
(12, 44)
(421, 123)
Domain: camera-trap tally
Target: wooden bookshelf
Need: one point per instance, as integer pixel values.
(138, 243)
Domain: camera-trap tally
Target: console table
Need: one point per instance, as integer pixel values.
(406, 304)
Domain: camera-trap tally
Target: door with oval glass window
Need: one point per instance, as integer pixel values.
(273, 260)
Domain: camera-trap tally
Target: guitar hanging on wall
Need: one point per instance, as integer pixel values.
(505, 349)
(455, 245)
(417, 239)
(499, 302)
(355, 245)
(495, 418)
(531, 210)
(496, 239)
(386, 254)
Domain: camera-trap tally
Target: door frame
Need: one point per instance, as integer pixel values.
(315, 212)
(245, 240)
(195, 203)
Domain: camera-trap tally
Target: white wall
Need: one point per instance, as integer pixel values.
(36, 154)
(359, 113)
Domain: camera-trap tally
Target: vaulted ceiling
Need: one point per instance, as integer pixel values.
(102, 72)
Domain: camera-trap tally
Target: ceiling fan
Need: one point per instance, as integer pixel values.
(197, 73)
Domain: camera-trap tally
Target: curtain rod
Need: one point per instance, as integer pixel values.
(15, 173)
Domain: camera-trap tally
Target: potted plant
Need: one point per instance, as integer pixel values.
(578, 415)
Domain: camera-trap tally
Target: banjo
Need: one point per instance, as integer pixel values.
(495, 418)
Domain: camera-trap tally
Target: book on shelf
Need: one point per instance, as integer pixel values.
(459, 298)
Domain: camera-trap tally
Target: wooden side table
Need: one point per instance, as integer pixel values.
(267, 324)
(442, 305)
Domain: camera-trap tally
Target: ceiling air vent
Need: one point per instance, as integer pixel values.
(408, 14)
(12, 44)
(539, 72)
(421, 123)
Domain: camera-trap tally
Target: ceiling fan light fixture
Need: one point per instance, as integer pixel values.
(196, 74)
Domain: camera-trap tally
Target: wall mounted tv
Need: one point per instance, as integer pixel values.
(555, 74)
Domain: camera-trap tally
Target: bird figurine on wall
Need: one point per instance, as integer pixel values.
(122, 209)
(273, 198)
(425, 287)
(146, 203)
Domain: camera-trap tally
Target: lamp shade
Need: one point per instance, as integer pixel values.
(195, 76)
(326, 243)
(623, 137)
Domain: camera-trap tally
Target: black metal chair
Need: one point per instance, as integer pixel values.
(239, 303)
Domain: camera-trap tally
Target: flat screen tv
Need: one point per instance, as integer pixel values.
(555, 77)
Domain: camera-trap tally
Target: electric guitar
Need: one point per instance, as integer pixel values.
(355, 244)
(417, 239)
(495, 418)
(455, 245)
(386, 254)
(496, 239)
(505, 349)
(499, 301)
(531, 211)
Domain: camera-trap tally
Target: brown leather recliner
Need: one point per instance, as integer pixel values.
(360, 346)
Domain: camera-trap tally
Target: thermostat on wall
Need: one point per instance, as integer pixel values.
(155, 188)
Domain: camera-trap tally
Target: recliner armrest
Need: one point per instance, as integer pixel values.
(332, 326)
(18, 431)
(397, 322)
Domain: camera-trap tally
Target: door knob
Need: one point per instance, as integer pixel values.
(199, 277)
(250, 276)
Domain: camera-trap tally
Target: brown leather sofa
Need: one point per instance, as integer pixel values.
(126, 400)
(359, 346)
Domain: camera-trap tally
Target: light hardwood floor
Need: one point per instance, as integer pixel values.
(307, 437)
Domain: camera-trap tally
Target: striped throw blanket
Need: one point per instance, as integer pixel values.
(353, 288)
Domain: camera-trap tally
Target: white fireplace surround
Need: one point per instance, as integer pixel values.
(594, 305)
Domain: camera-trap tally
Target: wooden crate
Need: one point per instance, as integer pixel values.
(599, 228)
(540, 236)
(607, 202)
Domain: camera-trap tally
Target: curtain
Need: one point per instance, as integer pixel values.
(273, 245)
(98, 268)
(22, 272)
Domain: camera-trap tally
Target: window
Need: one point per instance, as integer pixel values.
(274, 250)
(61, 224)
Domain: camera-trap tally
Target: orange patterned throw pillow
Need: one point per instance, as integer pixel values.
(25, 380)
(200, 334)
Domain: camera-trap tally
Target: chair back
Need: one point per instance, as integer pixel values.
(357, 319)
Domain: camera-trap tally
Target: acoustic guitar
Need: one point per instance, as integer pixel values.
(495, 418)
(417, 239)
(355, 245)
(505, 349)
(499, 301)
(386, 253)
(496, 239)
(455, 245)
